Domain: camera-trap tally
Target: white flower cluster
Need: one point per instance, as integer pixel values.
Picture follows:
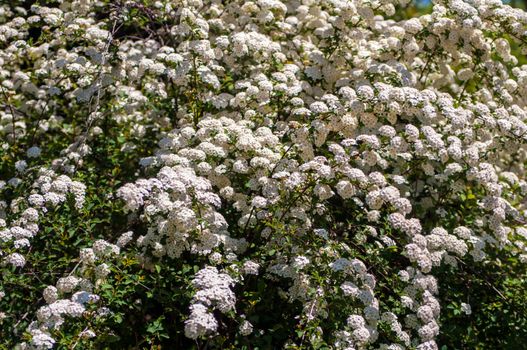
(359, 287)
(48, 191)
(182, 211)
(401, 148)
(73, 295)
(213, 291)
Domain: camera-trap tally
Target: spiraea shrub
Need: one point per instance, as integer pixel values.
(304, 174)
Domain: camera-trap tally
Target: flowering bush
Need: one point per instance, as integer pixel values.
(314, 174)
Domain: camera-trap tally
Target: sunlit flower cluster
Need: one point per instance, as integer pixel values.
(303, 143)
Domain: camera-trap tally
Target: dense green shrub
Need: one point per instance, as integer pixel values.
(315, 174)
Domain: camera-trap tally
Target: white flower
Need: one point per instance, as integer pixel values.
(361, 335)
(20, 166)
(200, 322)
(41, 340)
(300, 262)
(16, 260)
(33, 152)
(68, 284)
(87, 334)
(124, 239)
(250, 268)
(214, 289)
(466, 309)
(356, 321)
(50, 294)
(246, 328)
